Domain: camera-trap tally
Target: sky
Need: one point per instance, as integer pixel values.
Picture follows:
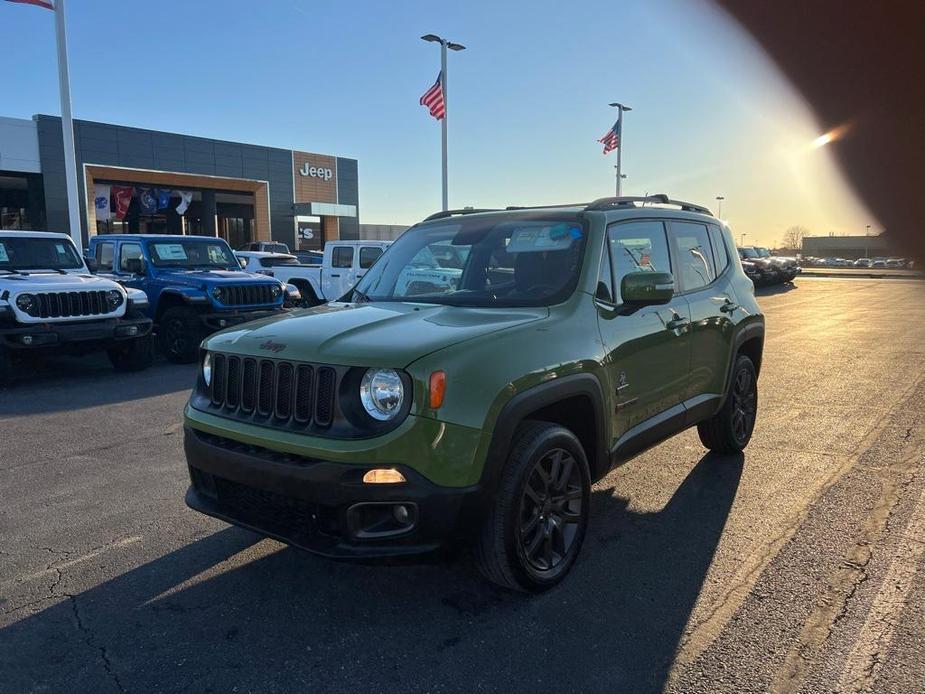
(527, 99)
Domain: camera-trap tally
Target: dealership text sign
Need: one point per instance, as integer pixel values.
(316, 172)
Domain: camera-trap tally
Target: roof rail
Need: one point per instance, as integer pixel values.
(443, 214)
(545, 207)
(658, 199)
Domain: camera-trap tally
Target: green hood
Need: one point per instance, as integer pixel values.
(376, 334)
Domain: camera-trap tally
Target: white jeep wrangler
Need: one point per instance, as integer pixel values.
(50, 302)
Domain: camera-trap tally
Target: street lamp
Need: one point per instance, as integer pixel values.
(444, 44)
(719, 212)
(743, 239)
(621, 108)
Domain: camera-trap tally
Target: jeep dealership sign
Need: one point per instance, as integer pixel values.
(317, 172)
(314, 177)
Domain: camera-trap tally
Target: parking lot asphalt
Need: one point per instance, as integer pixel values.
(798, 566)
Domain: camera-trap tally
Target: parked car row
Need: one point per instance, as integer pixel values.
(762, 268)
(129, 289)
(877, 262)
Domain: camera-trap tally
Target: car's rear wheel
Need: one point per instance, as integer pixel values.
(533, 534)
(730, 430)
(180, 333)
(135, 355)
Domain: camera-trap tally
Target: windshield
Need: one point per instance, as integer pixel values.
(275, 248)
(193, 254)
(763, 252)
(496, 262)
(31, 253)
(748, 252)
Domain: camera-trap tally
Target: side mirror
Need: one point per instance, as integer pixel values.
(646, 289)
(92, 265)
(135, 266)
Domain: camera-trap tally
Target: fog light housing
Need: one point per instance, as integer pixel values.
(27, 339)
(383, 475)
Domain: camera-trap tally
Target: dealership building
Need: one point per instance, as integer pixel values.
(132, 180)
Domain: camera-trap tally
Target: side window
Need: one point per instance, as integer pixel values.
(720, 252)
(694, 255)
(368, 256)
(637, 247)
(128, 251)
(104, 256)
(604, 290)
(342, 257)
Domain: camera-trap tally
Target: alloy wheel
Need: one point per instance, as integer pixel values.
(744, 405)
(551, 510)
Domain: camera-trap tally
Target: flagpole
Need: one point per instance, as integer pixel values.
(446, 115)
(621, 109)
(67, 127)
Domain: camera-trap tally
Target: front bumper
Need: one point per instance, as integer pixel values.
(218, 320)
(45, 335)
(319, 505)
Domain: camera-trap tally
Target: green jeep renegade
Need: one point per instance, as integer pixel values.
(484, 372)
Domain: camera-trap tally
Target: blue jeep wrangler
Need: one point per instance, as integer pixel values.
(194, 285)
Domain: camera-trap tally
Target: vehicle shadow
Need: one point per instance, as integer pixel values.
(770, 290)
(56, 383)
(285, 620)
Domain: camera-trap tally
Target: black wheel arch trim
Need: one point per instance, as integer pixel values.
(518, 409)
(747, 331)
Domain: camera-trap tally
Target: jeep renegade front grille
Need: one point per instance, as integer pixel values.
(247, 295)
(272, 391)
(68, 304)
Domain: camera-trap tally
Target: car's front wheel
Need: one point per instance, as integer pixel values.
(730, 429)
(6, 367)
(135, 355)
(180, 334)
(533, 534)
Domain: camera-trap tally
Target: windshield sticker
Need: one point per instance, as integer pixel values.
(552, 238)
(4, 258)
(170, 251)
(60, 248)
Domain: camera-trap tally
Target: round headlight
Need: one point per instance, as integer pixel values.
(207, 368)
(277, 290)
(25, 302)
(114, 298)
(217, 293)
(382, 393)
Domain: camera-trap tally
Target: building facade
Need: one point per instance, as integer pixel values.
(132, 180)
(848, 247)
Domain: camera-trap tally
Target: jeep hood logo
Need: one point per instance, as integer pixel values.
(274, 347)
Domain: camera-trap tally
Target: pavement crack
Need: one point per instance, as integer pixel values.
(90, 640)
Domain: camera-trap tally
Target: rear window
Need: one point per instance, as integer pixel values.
(368, 256)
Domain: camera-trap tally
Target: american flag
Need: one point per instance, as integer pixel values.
(611, 139)
(47, 4)
(433, 99)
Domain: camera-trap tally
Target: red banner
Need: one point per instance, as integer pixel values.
(122, 197)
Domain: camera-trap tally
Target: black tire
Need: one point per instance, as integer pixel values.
(135, 355)
(309, 298)
(180, 333)
(6, 367)
(544, 492)
(730, 429)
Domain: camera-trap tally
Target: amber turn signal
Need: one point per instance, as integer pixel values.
(384, 475)
(437, 388)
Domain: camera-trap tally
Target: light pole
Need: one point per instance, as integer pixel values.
(743, 240)
(719, 211)
(444, 44)
(621, 108)
(867, 243)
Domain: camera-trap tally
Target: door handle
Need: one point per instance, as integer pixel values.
(728, 306)
(678, 323)
(359, 275)
(335, 275)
